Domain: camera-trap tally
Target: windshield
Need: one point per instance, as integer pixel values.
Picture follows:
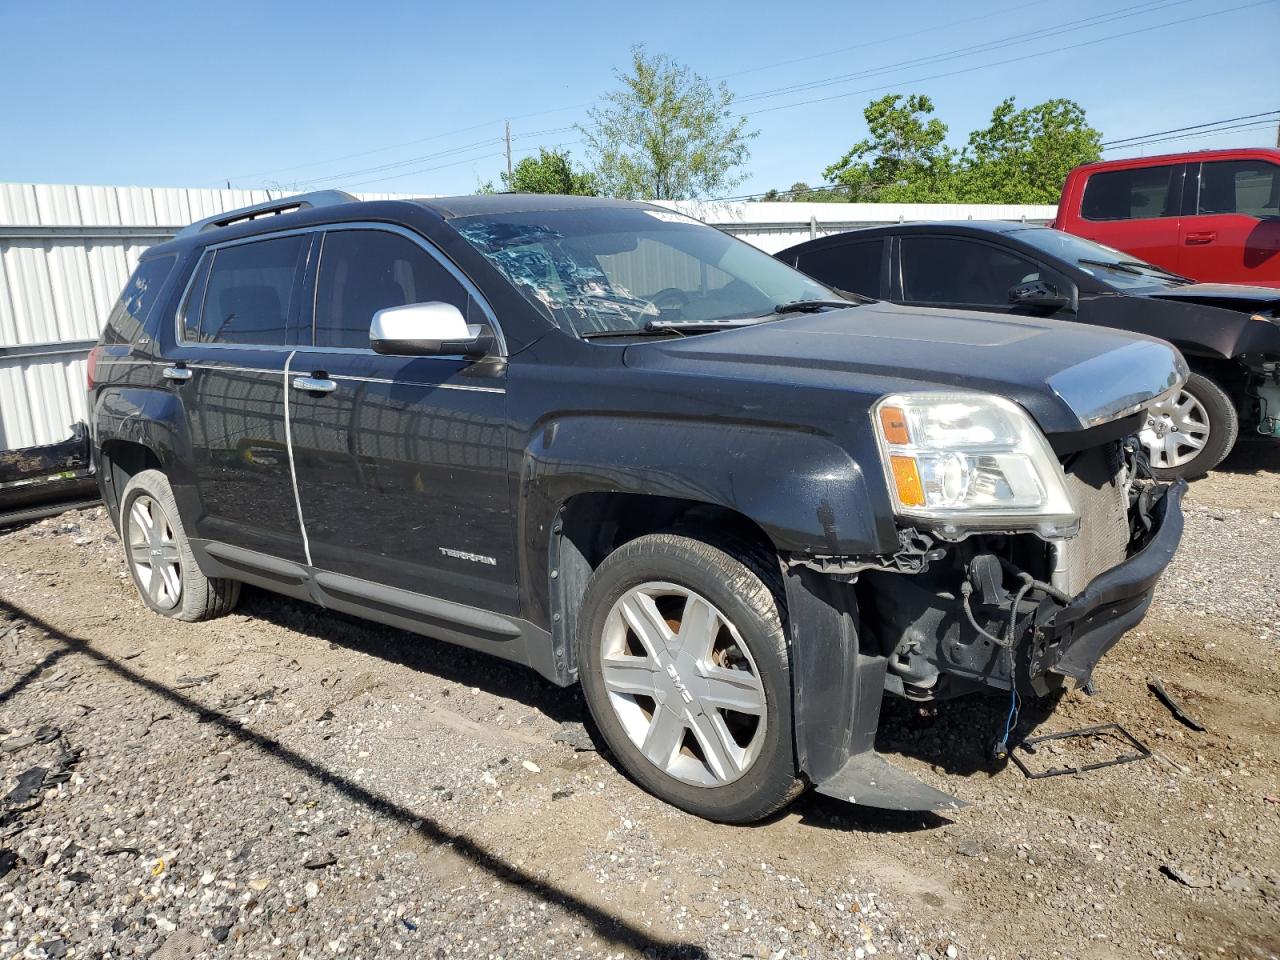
(609, 269)
(1131, 273)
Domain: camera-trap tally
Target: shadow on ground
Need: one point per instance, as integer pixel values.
(1252, 455)
(606, 926)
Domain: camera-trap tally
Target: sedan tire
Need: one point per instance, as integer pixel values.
(1190, 433)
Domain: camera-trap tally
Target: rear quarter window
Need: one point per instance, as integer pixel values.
(1138, 194)
(128, 318)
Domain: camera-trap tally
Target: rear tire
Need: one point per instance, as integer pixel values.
(1201, 413)
(159, 555)
(684, 629)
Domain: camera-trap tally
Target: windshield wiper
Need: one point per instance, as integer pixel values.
(699, 326)
(1152, 268)
(1135, 267)
(812, 306)
(645, 331)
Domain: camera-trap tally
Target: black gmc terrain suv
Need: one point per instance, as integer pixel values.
(627, 450)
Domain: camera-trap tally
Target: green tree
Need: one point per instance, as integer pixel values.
(666, 133)
(549, 172)
(904, 160)
(1023, 155)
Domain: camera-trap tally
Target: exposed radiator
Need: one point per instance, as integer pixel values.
(1097, 483)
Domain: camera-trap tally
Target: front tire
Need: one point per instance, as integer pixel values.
(159, 555)
(1192, 432)
(684, 666)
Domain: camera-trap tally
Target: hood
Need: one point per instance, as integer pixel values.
(1232, 296)
(1068, 376)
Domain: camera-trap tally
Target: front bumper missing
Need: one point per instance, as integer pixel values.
(1073, 638)
(839, 675)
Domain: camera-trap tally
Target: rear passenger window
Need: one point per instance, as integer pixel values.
(136, 300)
(250, 292)
(364, 271)
(850, 266)
(1137, 194)
(1251, 187)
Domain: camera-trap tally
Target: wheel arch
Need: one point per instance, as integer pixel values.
(135, 428)
(613, 478)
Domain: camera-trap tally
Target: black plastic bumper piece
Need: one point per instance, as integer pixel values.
(1074, 639)
(836, 696)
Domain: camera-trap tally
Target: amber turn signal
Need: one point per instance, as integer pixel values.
(906, 477)
(893, 425)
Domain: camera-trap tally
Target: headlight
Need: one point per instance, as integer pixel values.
(969, 460)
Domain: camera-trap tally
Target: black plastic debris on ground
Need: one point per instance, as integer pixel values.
(29, 784)
(1037, 746)
(43, 734)
(1165, 697)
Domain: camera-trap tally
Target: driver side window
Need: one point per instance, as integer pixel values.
(953, 270)
(364, 271)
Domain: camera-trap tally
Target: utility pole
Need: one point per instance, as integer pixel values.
(508, 138)
(1278, 135)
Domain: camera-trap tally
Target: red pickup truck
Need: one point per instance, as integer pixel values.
(1213, 215)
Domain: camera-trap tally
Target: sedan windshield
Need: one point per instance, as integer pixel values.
(603, 270)
(1112, 267)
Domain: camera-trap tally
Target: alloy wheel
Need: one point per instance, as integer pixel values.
(153, 551)
(1176, 430)
(683, 684)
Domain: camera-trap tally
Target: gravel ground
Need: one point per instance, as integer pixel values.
(286, 782)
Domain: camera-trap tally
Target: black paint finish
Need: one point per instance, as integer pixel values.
(430, 485)
(1212, 323)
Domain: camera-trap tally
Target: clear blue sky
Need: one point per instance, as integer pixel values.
(282, 93)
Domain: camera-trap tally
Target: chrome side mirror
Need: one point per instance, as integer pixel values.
(432, 329)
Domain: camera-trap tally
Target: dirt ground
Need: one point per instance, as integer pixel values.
(286, 782)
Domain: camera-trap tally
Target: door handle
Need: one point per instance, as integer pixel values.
(180, 374)
(314, 384)
(1201, 237)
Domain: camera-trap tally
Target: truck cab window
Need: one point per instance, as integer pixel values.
(1137, 194)
(1250, 187)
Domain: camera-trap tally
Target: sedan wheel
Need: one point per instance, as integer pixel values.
(1176, 430)
(154, 554)
(683, 684)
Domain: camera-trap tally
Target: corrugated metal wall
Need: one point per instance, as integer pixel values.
(66, 251)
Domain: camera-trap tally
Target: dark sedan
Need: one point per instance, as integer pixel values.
(1229, 334)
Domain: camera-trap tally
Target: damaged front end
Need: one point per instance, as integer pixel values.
(993, 610)
(1021, 607)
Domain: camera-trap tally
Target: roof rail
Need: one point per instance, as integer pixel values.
(300, 201)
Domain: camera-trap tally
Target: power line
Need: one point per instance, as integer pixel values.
(1255, 125)
(880, 40)
(407, 143)
(1009, 60)
(1194, 126)
(403, 163)
(987, 46)
(489, 156)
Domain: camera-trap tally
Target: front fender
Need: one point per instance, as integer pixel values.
(807, 493)
(1197, 329)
